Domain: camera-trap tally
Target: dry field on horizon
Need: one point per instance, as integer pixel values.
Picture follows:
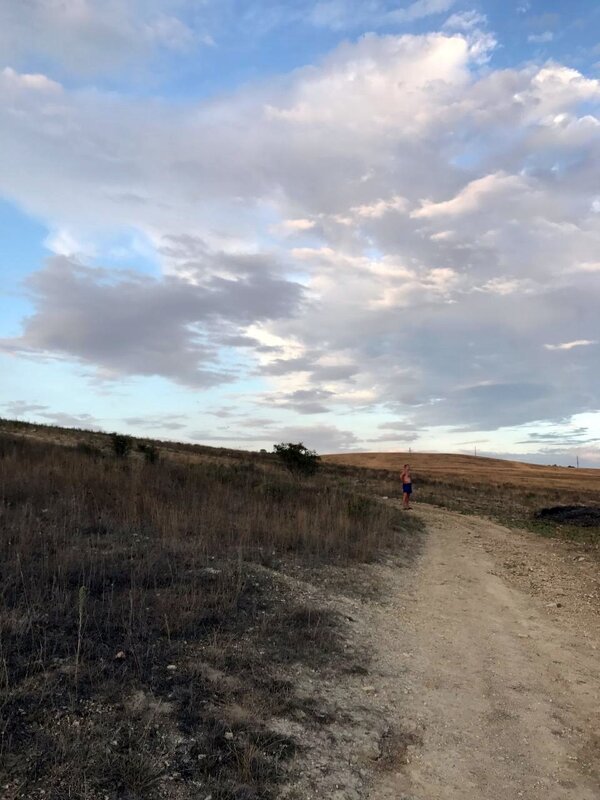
(475, 470)
(511, 492)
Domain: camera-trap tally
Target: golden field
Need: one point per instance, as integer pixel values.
(475, 470)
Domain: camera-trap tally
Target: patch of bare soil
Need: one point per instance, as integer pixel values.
(491, 660)
(360, 732)
(563, 576)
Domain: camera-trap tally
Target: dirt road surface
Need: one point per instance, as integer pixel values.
(491, 657)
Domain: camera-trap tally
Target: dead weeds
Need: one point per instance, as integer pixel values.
(149, 630)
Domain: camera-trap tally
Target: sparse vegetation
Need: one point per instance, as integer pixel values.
(89, 449)
(146, 628)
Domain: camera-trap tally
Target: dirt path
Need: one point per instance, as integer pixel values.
(497, 679)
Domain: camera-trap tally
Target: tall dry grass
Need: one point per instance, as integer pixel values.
(111, 568)
(137, 540)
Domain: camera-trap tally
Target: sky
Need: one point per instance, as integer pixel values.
(359, 224)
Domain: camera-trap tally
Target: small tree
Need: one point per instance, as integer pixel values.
(121, 444)
(297, 458)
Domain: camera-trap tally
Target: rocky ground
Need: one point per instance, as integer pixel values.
(483, 677)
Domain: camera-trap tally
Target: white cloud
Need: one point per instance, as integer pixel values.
(91, 36)
(504, 285)
(541, 38)
(293, 226)
(64, 242)
(171, 33)
(471, 197)
(381, 207)
(347, 14)
(379, 84)
(450, 209)
(420, 9)
(570, 345)
(35, 82)
(466, 21)
(556, 89)
(589, 266)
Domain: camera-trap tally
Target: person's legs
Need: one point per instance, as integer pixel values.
(405, 500)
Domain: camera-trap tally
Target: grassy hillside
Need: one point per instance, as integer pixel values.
(150, 631)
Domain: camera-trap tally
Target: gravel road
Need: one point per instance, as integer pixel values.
(496, 672)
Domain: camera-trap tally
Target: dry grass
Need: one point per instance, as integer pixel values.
(145, 631)
(509, 491)
(477, 471)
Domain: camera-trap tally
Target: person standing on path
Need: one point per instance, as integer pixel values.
(406, 486)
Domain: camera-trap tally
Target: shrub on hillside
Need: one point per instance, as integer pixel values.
(150, 451)
(297, 458)
(121, 444)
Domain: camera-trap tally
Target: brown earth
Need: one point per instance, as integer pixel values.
(498, 665)
(484, 681)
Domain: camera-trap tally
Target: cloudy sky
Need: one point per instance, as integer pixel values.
(363, 224)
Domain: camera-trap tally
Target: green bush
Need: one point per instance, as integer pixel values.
(297, 458)
(121, 444)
